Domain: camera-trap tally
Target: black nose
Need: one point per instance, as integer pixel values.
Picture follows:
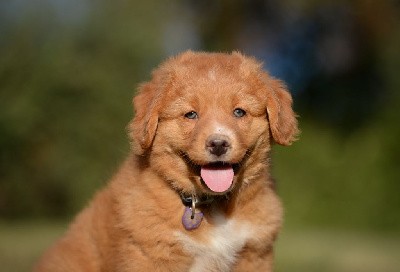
(217, 145)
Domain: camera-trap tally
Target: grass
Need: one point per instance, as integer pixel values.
(296, 250)
(21, 244)
(337, 251)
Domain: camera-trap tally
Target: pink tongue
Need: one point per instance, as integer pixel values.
(218, 179)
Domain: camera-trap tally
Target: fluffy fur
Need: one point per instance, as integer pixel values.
(134, 224)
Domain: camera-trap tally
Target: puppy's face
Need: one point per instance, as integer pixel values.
(205, 121)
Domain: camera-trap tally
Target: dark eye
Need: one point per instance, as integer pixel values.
(239, 112)
(191, 115)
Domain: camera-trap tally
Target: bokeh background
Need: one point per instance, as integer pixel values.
(69, 69)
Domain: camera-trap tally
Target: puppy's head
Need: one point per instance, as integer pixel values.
(206, 121)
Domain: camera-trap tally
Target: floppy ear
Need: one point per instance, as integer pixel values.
(282, 119)
(142, 128)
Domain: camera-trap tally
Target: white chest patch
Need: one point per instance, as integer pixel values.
(219, 252)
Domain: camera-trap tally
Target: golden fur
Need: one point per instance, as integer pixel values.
(134, 224)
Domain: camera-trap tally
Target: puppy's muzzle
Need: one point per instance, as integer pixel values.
(218, 144)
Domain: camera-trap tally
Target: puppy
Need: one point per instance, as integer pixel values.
(196, 193)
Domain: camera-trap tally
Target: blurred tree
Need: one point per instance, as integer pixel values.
(65, 100)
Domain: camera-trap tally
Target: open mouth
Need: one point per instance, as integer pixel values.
(218, 176)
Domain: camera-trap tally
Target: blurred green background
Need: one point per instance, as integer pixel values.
(69, 68)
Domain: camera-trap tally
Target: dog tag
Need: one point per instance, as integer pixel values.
(191, 220)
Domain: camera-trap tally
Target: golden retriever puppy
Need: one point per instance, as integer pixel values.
(196, 192)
